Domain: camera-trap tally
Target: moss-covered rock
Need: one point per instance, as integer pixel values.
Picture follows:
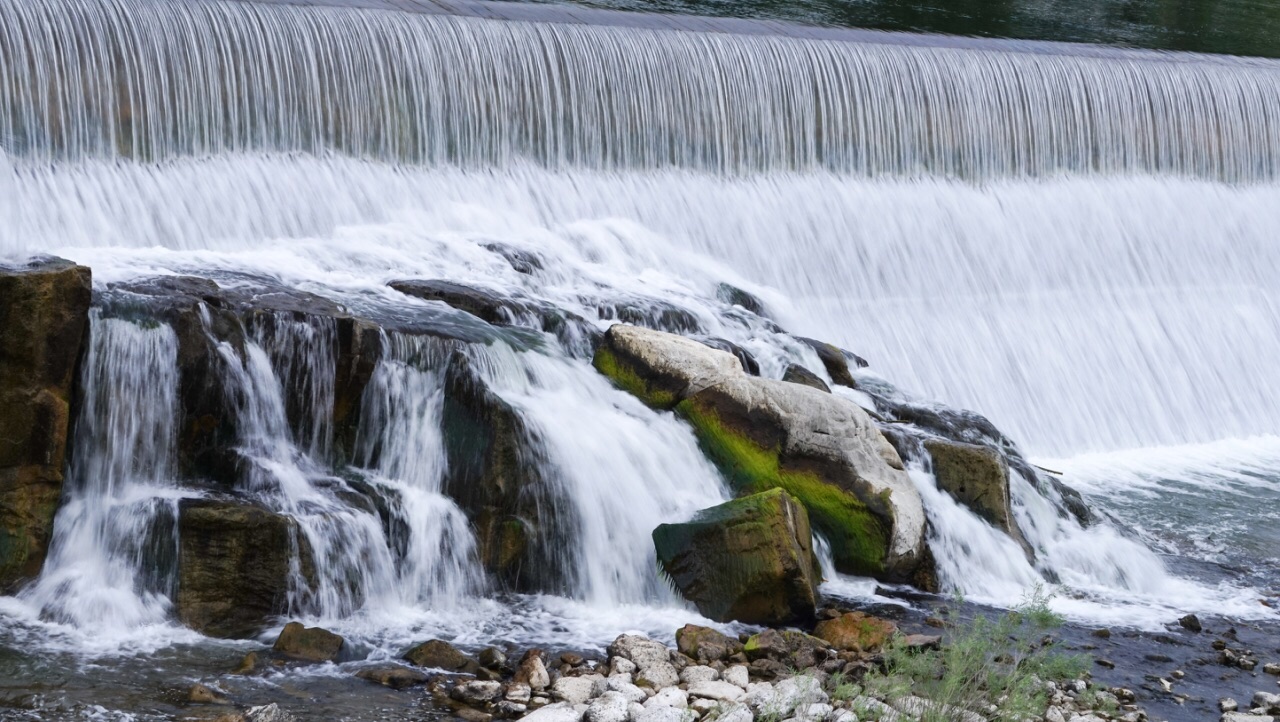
(856, 632)
(235, 563)
(795, 649)
(44, 318)
(765, 434)
(978, 477)
(705, 644)
(749, 560)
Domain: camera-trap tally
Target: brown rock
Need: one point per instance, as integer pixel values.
(44, 322)
(308, 644)
(441, 655)
(704, 644)
(856, 631)
(200, 694)
(921, 641)
(393, 676)
(248, 664)
(978, 477)
(797, 649)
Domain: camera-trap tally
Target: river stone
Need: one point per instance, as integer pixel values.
(1270, 703)
(737, 674)
(797, 374)
(652, 660)
(977, 476)
(532, 670)
(574, 690)
(556, 712)
(1244, 717)
(44, 325)
(393, 676)
(669, 697)
(609, 707)
(749, 560)
(269, 713)
(477, 692)
(235, 560)
(695, 673)
(308, 644)
(856, 632)
(713, 689)
(705, 644)
(437, 654)
(822, 448)
(666, 714)
(622, 685)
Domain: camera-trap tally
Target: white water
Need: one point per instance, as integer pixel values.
(1091, 265)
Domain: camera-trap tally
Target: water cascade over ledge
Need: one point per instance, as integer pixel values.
(1080, 246)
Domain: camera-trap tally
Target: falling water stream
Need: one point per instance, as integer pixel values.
(1079, 244)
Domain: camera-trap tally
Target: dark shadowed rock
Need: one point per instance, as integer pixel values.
(651, 313)
(494, 475)
(790, 647)
(836, 360)
(234, 565)
(796, 374)
(522, 261)
(735, 296)
(704, 644)
(44, 321)
(749, 560)
(308, 644)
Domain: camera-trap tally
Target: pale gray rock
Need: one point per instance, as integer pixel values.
(1246, 717)
(518, 692)
(608, 707)
(873, 708)
(622, 665)
(1269, 703)
(666, 714)
(574, 690)
(477, 692)
(813, 712)
(635, 711)
(658, 676)
(736, 713)
(557, 712)
(669, 697)
(703, 706)
(712, 689)
(269, 713)
(695, 673)
(737, 674)
(623, 686)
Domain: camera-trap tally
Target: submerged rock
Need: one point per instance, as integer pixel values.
(749, 560)
(308, 644)
(735, 296)
(393, 676)
(836, 360)
(234, 565)
(821, 448)
(437, 654)
(44, 321)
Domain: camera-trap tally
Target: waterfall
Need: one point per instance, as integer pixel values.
(1078, 244)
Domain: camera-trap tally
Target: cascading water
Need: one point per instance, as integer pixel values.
(1078, 244)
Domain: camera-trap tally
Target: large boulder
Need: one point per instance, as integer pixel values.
(235, 563)
(494, 474)
(821, 448)
(44, 321)
(978, 477)
(748, 560)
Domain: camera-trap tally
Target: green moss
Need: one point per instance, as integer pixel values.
(857, 536)
(608, 363)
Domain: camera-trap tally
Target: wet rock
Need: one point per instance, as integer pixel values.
(477, 692)
(393, 676)
(1271, 668)
(507, 709)
(518, 692)
(44, 322)
(492, 658)
(821, 448)
(711, 689)
(1108, 664)
(234, 564)
(705, 644)
(749, 560)
(796, 374)
(650, 313)
(200, 694)
(748, 361)
(856, 632)
(308, 644)
(522, 261)
(532, 670)
(269, 713)
(1243, 717)
(1226, 704)
(437, 654)
(735, 296)
(493, 474)
(1270, 703)
(467, 714)
(489, 306)
(572, 659)
(248, 664)
(977, 476)
(652, 660)
(836, 360)
(1190, 623)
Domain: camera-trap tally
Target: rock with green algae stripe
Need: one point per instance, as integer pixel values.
(749, 560)
(765, 434)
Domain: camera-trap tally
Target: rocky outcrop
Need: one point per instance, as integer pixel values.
(494, 475)
(44, 318)
(978, 477)
(748, 560)
(235, 562)
(765, 434)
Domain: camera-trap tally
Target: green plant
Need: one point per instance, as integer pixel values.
(841, 688)
(987, 662)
